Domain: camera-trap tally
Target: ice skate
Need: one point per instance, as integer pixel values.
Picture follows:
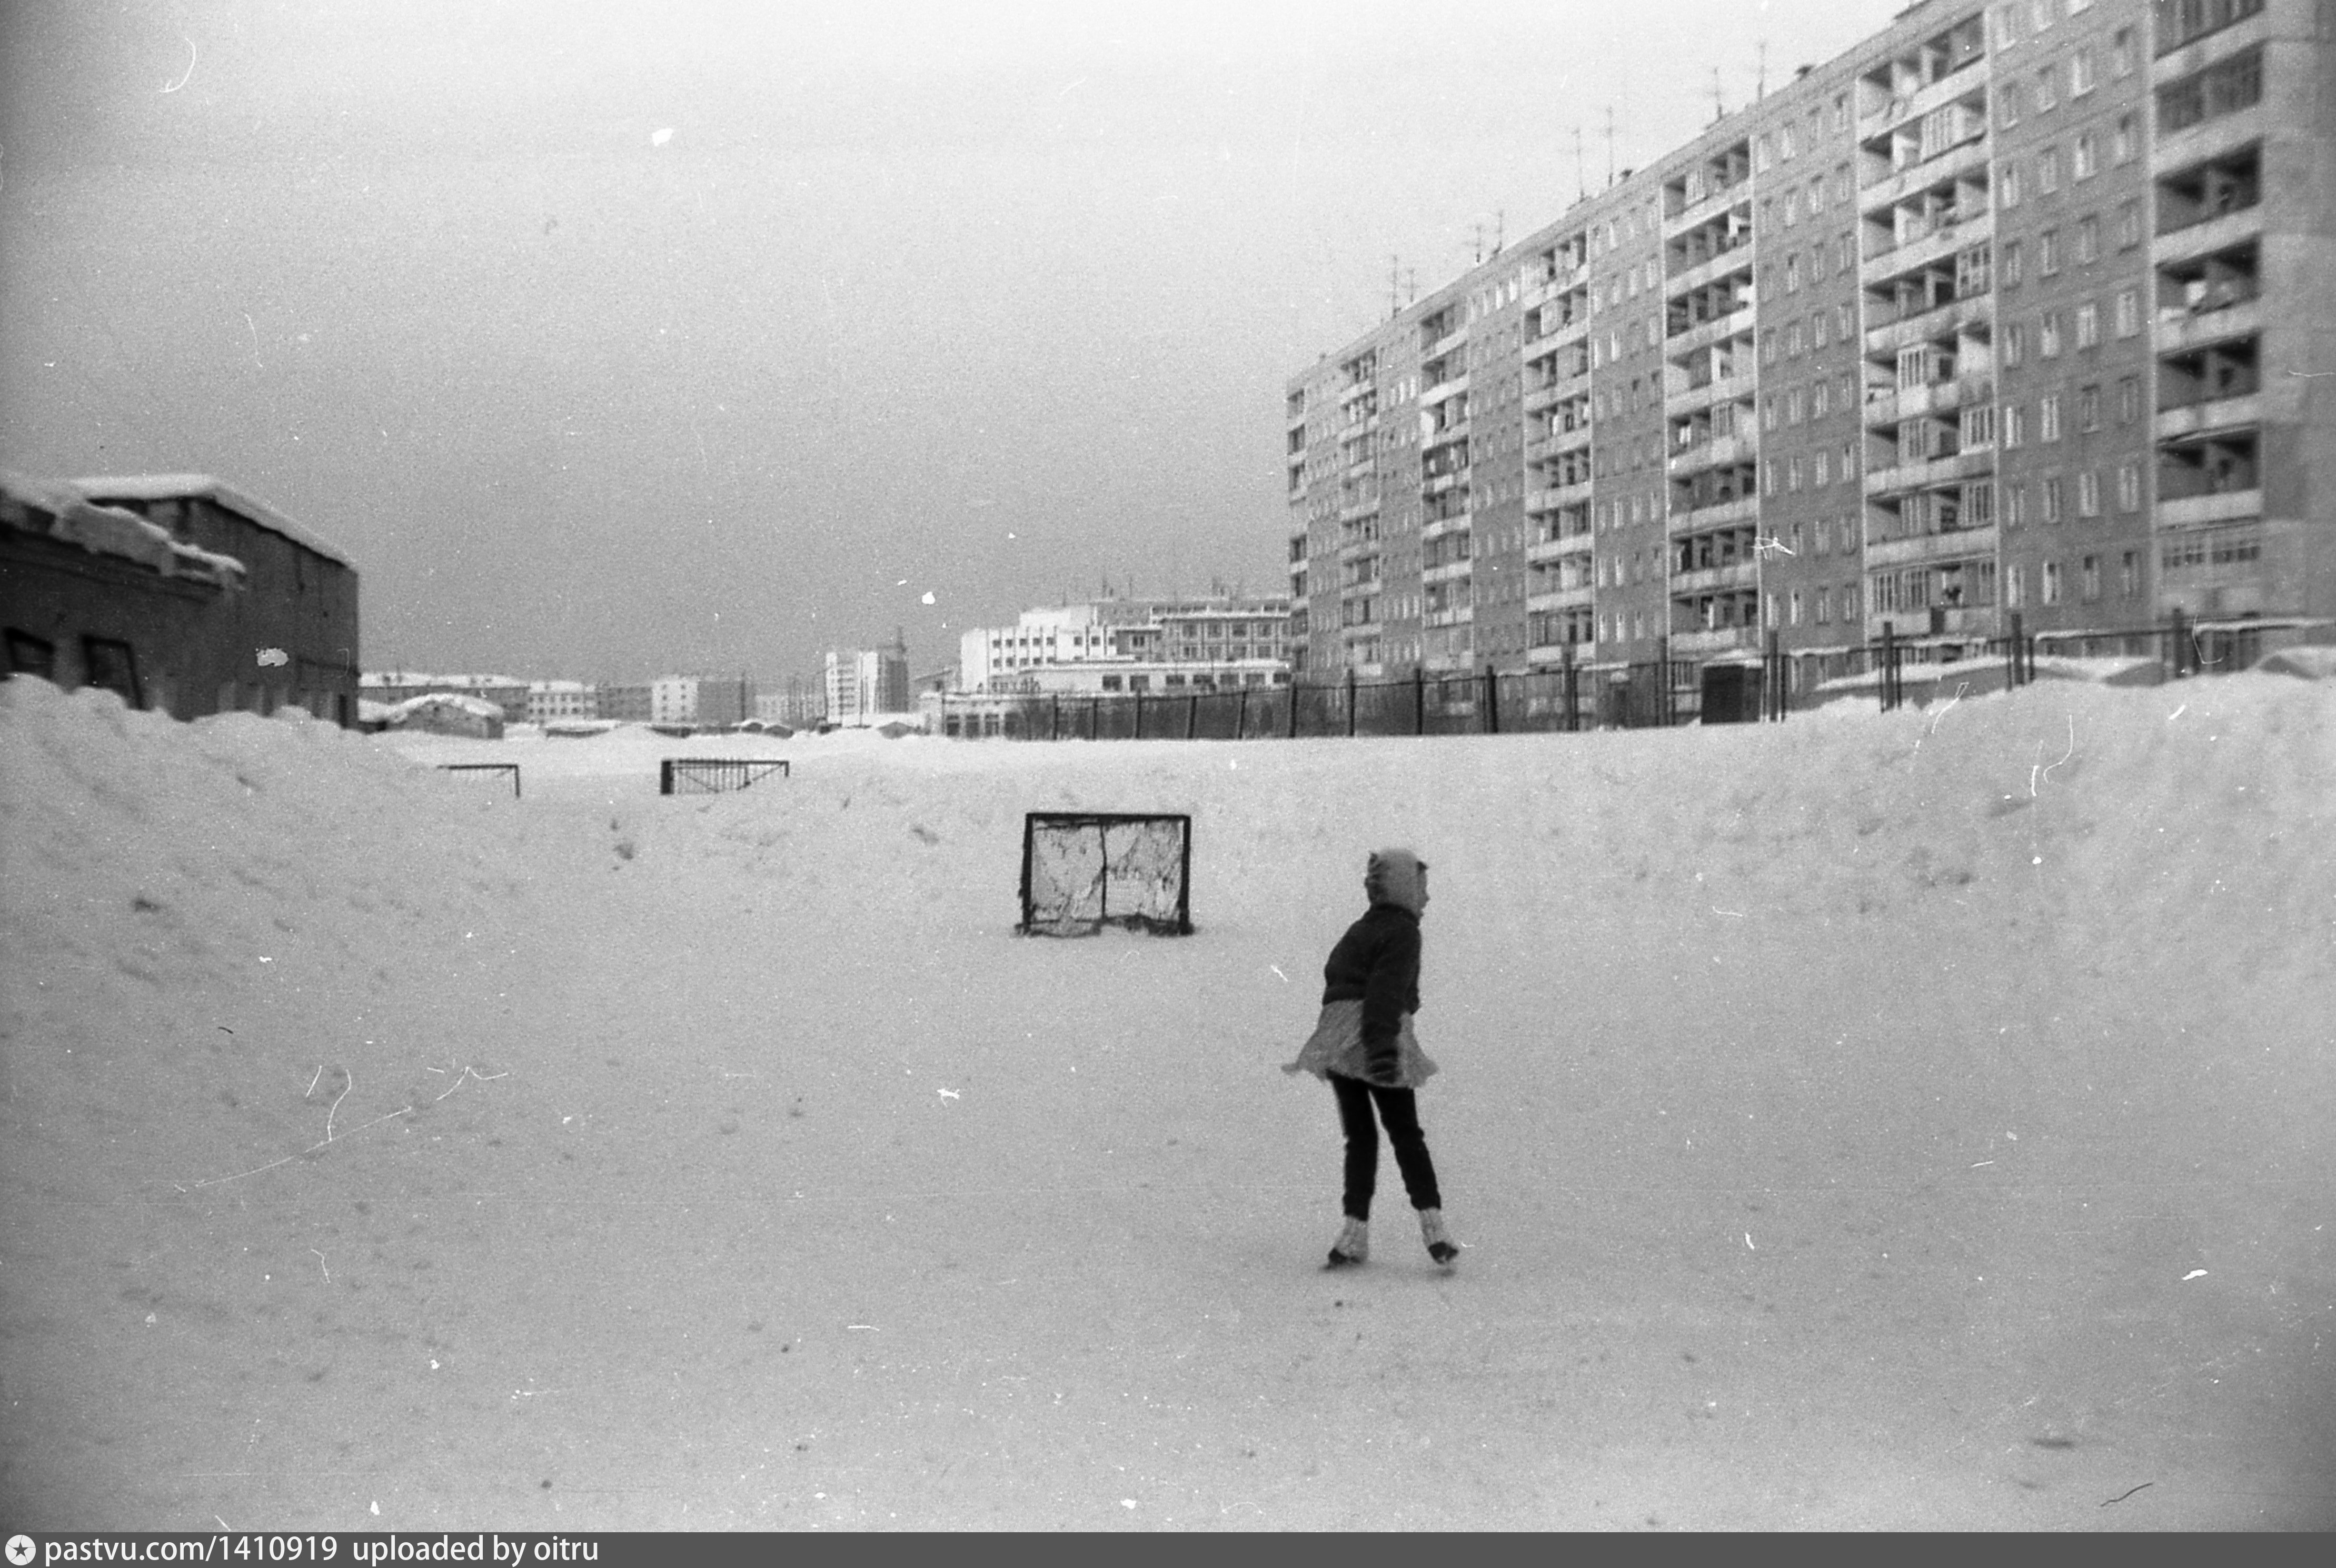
(1440, 1245)
(1353, 1245)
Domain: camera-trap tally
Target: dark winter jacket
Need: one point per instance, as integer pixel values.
(1377, 963)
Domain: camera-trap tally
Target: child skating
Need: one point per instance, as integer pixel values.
(1363, 1045)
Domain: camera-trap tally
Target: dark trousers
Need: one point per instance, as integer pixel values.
(1400, 1109)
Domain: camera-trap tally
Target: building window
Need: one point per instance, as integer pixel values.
(2007, 103)
(2047, 335)
(2007, 182)
(2048, 169)
(2128, 575)
(2048, 253)
(2121, 53)
(2051, 582)
(2015, 343)
(2088, 408)
(2015, 507)
(2052, 499)
(2122, 141)
(2082, 70)
(2048, 88)
(2015, 584)
(2048, 417)
(2089, 579)
(2088, 239)
(2088, 493)
(2089, 325)
(2015, 425)
(31, 655)
(2129, 487)
(2129, 399)
(2130, 225)
(110, 663)
(2128, 312)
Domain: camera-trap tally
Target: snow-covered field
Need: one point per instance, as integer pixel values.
(1911, 1120)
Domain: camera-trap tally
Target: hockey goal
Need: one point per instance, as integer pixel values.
(1084, 870)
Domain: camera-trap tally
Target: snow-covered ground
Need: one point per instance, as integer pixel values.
(1919, 1120)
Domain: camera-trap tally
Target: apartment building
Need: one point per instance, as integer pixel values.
(2016, 309)
(861, 683)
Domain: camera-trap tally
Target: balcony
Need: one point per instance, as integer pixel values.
(1950, 86)
(1936, 398)
(1955, 545)
(1736, 322)
(1459, 616)
(1355, 511)
(2210, 415)
(1929, 475)
(1935, 620)
(1445, 344)
(1711, 579)
(1541, 397)
(1567, 278)
(1737, 258)
(2179, 329)
(1437, 527)
(2197, 511)
(1556, 496)
(1443, 391)
(1436, 484)
(1551, 655)
(1562, 598)
(1964, 159)
(1727, 389)
(1719, 514)
(1573, 331)
(1741, 448)
(2210, 138)
(1449, 571)
(1712, 204)
(1566, 545)
(1719, 639)
(1553, 442)
(2204, 238)
(1935, 249)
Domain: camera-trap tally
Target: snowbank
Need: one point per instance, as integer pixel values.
(1914, 1121)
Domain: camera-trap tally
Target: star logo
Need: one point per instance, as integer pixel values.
(20, 1550)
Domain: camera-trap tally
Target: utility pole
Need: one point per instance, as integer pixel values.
(1610, 146)
(1580, 174)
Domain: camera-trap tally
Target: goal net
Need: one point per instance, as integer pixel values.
(1084, 870)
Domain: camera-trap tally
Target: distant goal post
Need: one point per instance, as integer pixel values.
(1084, 870)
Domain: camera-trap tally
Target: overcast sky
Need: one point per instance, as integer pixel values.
(615, 340)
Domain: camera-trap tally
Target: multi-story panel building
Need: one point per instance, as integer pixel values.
(1237, 635)
(2012, 309)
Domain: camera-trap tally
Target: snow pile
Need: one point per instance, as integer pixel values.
(1918, 1120)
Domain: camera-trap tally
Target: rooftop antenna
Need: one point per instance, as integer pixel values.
(1500, 228)
(1609, 145)
(1763, 79)
(1719, 103)
(1395, 286)
(1581, 177)
(1411, 292)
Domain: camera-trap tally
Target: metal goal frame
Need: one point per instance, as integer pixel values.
(1035, 823)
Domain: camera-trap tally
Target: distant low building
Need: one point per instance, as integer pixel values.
(551, 701)
(628, 703)
(448, 713)
(178, 592)
(1210, 642)
(714, 702)
(507, 692)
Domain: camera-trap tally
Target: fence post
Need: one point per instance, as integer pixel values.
(1139, 713)
(1663, 709)
(1350, 701)
(1294, 688)
(2181, 636)
(1191, 712)
(1240, 714)
(1491, 700)
(1889, 666)
(1419, 699)
(2016, 676)
(1573, 691)
(1776, 677)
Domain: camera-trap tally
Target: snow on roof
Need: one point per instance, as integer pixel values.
(185, 487)
(477, 706)
(105, 530)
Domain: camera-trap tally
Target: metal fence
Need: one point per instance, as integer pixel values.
(1742, 687)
